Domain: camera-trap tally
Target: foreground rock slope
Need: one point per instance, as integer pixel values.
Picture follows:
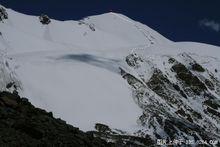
(22, 124)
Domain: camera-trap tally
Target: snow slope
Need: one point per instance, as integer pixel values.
(81, 88)
(72, 68)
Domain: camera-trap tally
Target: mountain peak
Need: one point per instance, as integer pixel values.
(114, 71)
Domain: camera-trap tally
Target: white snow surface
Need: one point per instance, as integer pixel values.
(67, 68)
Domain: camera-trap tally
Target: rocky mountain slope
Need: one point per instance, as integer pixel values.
(113, 73)
(179, 100)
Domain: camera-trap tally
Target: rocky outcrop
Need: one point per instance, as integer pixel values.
(188, 78)
(44, 19)
(133, 60)
(3, 14)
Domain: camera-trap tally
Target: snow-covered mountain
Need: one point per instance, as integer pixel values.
(112, 70)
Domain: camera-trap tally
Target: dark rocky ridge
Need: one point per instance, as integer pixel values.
(22, 124)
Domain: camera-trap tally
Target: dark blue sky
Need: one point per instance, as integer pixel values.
(178, 20)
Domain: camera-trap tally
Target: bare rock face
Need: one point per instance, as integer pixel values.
(188, 78)
(44, 19)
